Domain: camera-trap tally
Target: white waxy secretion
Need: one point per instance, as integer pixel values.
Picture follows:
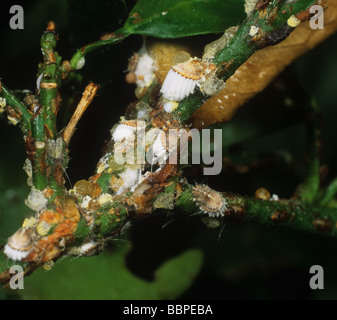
(170, 106)
(80, 64)
(145, 69)
(123, 131)
(38, 81)
(130, 177)
(36, 200)
(253, 31)
(159, 149)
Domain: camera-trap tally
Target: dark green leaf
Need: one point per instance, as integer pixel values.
(290, 9)
(106, 277)
(181, 18)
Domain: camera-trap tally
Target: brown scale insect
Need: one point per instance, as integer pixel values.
(30, 148)
(279, 216)
(31, 102)
(108, 36)
(192, 69)
(322, 225)
(209, 201)
(262, 4)
(262, 194)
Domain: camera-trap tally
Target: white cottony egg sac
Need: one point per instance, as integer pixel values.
(123, 131)
(145, 70)
(14, 254)
(176, 87)
(130, 178)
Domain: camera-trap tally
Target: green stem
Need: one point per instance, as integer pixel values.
(40, 180)
(295, 214)
(111, 39)
(51, 80)
(111, 217)
(44, 124)
(18, 106)
(272, 28)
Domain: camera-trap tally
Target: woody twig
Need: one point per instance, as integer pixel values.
(87, 97)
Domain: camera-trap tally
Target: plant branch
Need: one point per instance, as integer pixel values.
(263, 28)
(21, 112)
(77, 61)
(99, 208)
(88, 95)
(296, 213)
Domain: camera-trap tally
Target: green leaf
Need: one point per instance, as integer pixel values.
(292, 8)
(106, 277)
(181, 18)
(298, 6)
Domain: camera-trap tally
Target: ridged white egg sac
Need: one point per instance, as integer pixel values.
(177, 87)
(181, 80)
(20, 244)
(15, 255)
(123, 131)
